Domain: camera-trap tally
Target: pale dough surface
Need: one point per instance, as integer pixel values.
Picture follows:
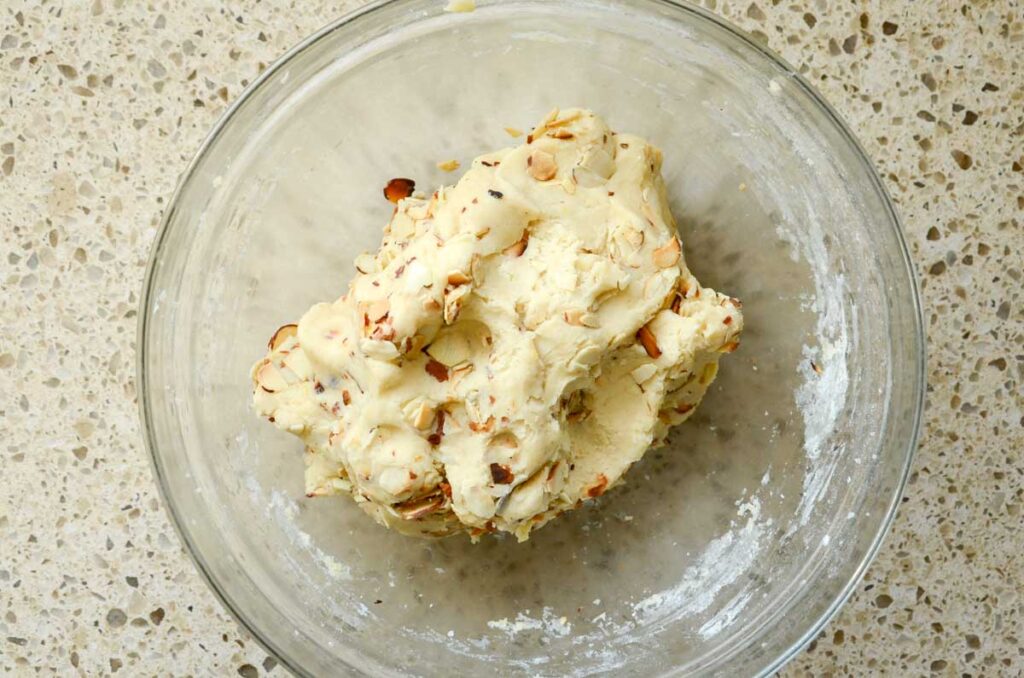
(517, 343)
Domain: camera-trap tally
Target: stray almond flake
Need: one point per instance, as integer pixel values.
(668, 254)
(541, 166)
(448, 165)
(513, 132)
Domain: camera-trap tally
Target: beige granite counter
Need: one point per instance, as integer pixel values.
(103, 102)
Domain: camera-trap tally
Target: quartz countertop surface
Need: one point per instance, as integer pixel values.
(102, 104)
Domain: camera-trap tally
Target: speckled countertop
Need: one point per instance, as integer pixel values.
(102, 103)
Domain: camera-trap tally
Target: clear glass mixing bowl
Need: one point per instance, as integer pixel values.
(727, 550)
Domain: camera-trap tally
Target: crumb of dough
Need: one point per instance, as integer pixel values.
(519, 340)
(448, 165)
(460, 6)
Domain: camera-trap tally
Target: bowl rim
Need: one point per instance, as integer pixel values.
(920, 346)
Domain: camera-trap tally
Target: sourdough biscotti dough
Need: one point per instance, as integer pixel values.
(517, 343)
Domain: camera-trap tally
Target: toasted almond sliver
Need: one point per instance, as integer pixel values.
(541, 165)
(648, 341)
(513, 132)
(448, 165)
(283, 333)
(668, 254)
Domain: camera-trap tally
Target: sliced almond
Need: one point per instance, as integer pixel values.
(708, 374)
(541, 165)
(573, 317)
(461, 371)
(643, 373)
(448, 165)
(580, 318)
(517, 248)
(668, 254)
(270, 378)
(423, 417)
(560, 121)
(283, 333)
(365, 263)
(589, 355)
(453, 300)
(513, 132)
(450, 348)
(458, 278)
(563, 134)
(414, 509)
(650, 343)
(539, 129)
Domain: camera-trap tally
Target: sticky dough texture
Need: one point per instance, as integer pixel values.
(516, 344)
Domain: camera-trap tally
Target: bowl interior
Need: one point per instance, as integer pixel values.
(726, 548)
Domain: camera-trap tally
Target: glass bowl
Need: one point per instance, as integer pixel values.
(727, 550)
